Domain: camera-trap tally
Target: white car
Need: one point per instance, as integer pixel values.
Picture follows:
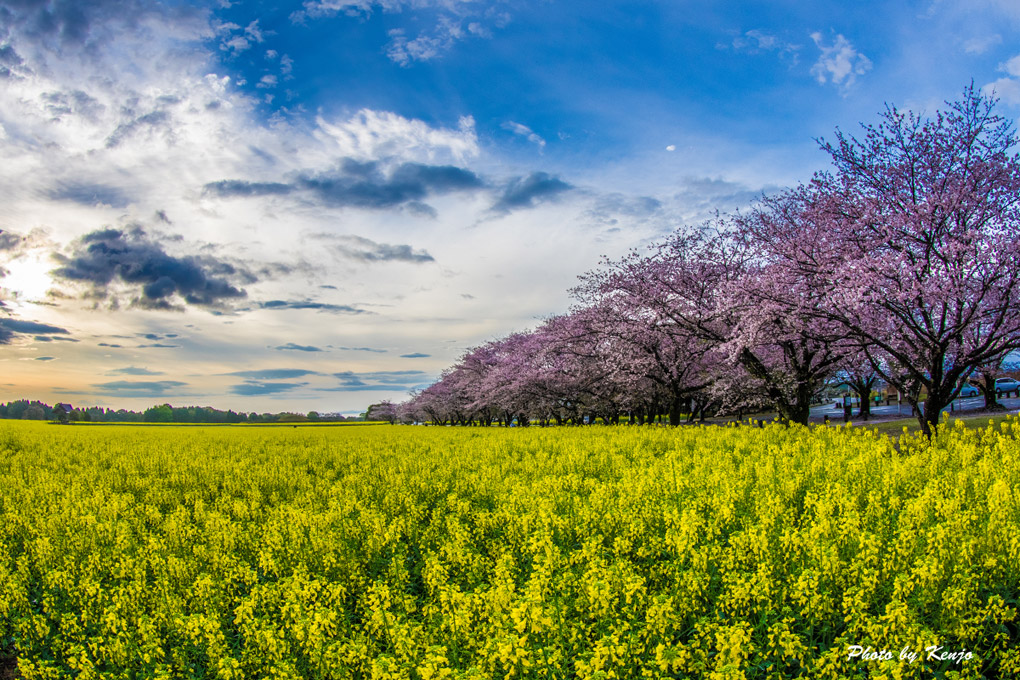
(968, 391)
(1003, 385)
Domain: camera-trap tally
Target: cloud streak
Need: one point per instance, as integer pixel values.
(273, 373)
(133, 370)
(156, 388)
(365, 250)
(298, 348)
(394, 381)
(524, 131)
(309, 304)
(255, 389)
(11, 328)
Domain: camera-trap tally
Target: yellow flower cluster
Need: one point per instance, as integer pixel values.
(430, 553)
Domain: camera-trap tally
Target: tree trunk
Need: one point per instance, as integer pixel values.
(929, 417)
(864, 393)
(988, 389)
(674, 411)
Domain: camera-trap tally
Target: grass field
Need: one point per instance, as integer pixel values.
(410, 552)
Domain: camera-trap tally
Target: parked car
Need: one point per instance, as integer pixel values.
(1003, 385)
(968, 391)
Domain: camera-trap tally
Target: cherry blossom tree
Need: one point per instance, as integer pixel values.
(899, 263)
(713, 293)
(856, 371)
(656, 359)
(915, 242)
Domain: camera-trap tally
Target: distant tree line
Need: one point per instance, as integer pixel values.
(24, 409)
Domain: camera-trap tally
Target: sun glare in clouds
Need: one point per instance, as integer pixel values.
(29, 278)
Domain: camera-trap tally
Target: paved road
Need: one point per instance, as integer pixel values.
(960, 405)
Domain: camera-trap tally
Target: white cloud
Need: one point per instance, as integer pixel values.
(981, 44)
(1012, 67)
(329, 8)
(524, 131)
(756, 41)
(840, 63)
(1008, 88)
(426, 46)
(253, 31)
(379, 134)
(455, 20)
(237, 40)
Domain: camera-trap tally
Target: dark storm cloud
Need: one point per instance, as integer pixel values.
(274, 373)
(67, 20)
(89, 194)
(10, 61)
(299, 348)
(421, 209)
(435, 178)
(366, 250)
(527, 192)
(9, 328)
(255, 389)
(308, 304)
(72, 29)
(364, 185)
(104, 257)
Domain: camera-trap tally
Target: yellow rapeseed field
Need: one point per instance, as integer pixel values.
(426, 552)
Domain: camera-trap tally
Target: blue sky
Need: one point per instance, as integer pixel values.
(316, 205)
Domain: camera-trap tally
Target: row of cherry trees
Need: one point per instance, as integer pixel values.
(899, 263)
